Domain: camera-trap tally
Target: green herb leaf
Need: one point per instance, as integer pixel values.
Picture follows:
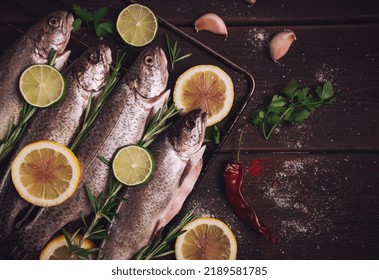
(258, 117)
(303, 94)
(174, 52)
(92, 19)
(104, 29)
(299, 116)
(83, 13)
(212, 133)
(294, 105)
(326, 91)
(278, 101)
(291, 88)
(158, 124)
(160, 247)
(99, 14)
(77, 24)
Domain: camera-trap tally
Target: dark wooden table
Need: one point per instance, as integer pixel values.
(318, 189)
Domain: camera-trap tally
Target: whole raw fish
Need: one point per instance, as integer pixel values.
(121, 122)
(33, 47)
(178, 162)
(86, 77)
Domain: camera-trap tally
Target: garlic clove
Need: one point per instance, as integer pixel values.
(251, 1)
(281, 43)
(212, 23)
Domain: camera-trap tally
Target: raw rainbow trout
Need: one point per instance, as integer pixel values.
(33, 47)
(121, 122)
(178, 161)
(86, 77)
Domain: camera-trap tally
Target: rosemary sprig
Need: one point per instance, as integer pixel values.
(161, 247)
(15, 131)
(103, 209)
(94, 107)
(104, 206)
(158, 124)
(174, 51)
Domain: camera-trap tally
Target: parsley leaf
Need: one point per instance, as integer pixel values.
(293, 104)
(104, 28)
(92, 19)
(212, 133)
(77, 24)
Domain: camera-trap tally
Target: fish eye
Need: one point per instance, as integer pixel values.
(149, 60)
(94, 57)
(53, 22)
(190, 123)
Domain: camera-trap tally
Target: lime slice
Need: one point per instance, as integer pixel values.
(45, 173)
(42, 85)
(133, 165)
(137, 25)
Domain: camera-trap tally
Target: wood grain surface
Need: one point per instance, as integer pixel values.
(317, 188)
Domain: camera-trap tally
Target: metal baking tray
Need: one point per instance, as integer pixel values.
(243, 81)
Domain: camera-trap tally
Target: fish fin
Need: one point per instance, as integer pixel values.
(196, 157)
(19, 253)
(61, 61)
(157, 103)
(11, 249)
(185, 189)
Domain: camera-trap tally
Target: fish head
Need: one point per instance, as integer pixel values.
(187, 134)
(51, 32)
(92, 68)
(149, 74)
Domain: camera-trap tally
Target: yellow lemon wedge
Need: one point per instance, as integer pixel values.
(137, 25)
(133, 165)
(57, 248)
(42, 85)
(45, 173)
(207, 87)
(206, 239)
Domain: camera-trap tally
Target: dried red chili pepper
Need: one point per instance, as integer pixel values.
(233, 177)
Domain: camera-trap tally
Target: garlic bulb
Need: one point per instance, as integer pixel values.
(212, 23)
(281, 43)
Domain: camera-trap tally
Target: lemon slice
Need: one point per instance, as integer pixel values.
(42, 85)
(57, 248)
(207, 87)
(45, 173)
(137, 25)
(133, 165)
(206, 239)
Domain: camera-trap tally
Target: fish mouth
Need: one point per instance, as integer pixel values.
(66, 27)
(108, 54)
(69, 20)
(162, 56)
(204, 119)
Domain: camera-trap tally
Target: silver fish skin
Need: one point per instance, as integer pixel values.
(121, 122)
(33, 47)
(141, 215)
(86, 77)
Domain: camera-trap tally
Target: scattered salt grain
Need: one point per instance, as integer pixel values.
(326, 73)
(258, 38)
(289, 193)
